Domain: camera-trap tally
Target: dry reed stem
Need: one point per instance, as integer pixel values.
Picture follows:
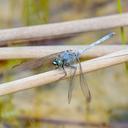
(42, 51)
(52, 76)
(63, 29)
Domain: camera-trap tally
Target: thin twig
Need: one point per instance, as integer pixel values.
(66, 122)
(63, 122)
(42, 51)
(63, 29)
(52, 76)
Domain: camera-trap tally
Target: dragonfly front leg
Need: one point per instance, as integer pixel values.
(62, 67)
(71, 86)
(65, 73)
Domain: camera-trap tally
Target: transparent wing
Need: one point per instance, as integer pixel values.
(71, 85)
(83, 83)
(34, 64)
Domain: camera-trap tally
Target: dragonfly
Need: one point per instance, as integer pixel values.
(68, 59)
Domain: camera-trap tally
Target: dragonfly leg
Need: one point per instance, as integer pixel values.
(65, 73)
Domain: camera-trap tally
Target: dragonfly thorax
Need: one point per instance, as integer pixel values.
(66, 58)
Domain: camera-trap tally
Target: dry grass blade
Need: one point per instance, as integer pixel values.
(42, 51)
(63, 29)
(52, 76)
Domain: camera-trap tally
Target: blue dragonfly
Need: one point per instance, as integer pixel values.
(65, 59)
(68, 58)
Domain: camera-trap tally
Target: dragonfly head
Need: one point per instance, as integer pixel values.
(57, 62)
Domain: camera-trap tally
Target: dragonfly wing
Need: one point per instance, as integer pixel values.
(34, 63)
(83, 83)
(71, 85)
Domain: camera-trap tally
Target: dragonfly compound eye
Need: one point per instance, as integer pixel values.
(54, 62)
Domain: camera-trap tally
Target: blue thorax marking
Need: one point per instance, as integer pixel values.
(68, 57)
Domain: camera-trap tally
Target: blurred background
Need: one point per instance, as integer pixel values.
(47, 106)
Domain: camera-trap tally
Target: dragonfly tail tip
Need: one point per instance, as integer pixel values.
(112, 33)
